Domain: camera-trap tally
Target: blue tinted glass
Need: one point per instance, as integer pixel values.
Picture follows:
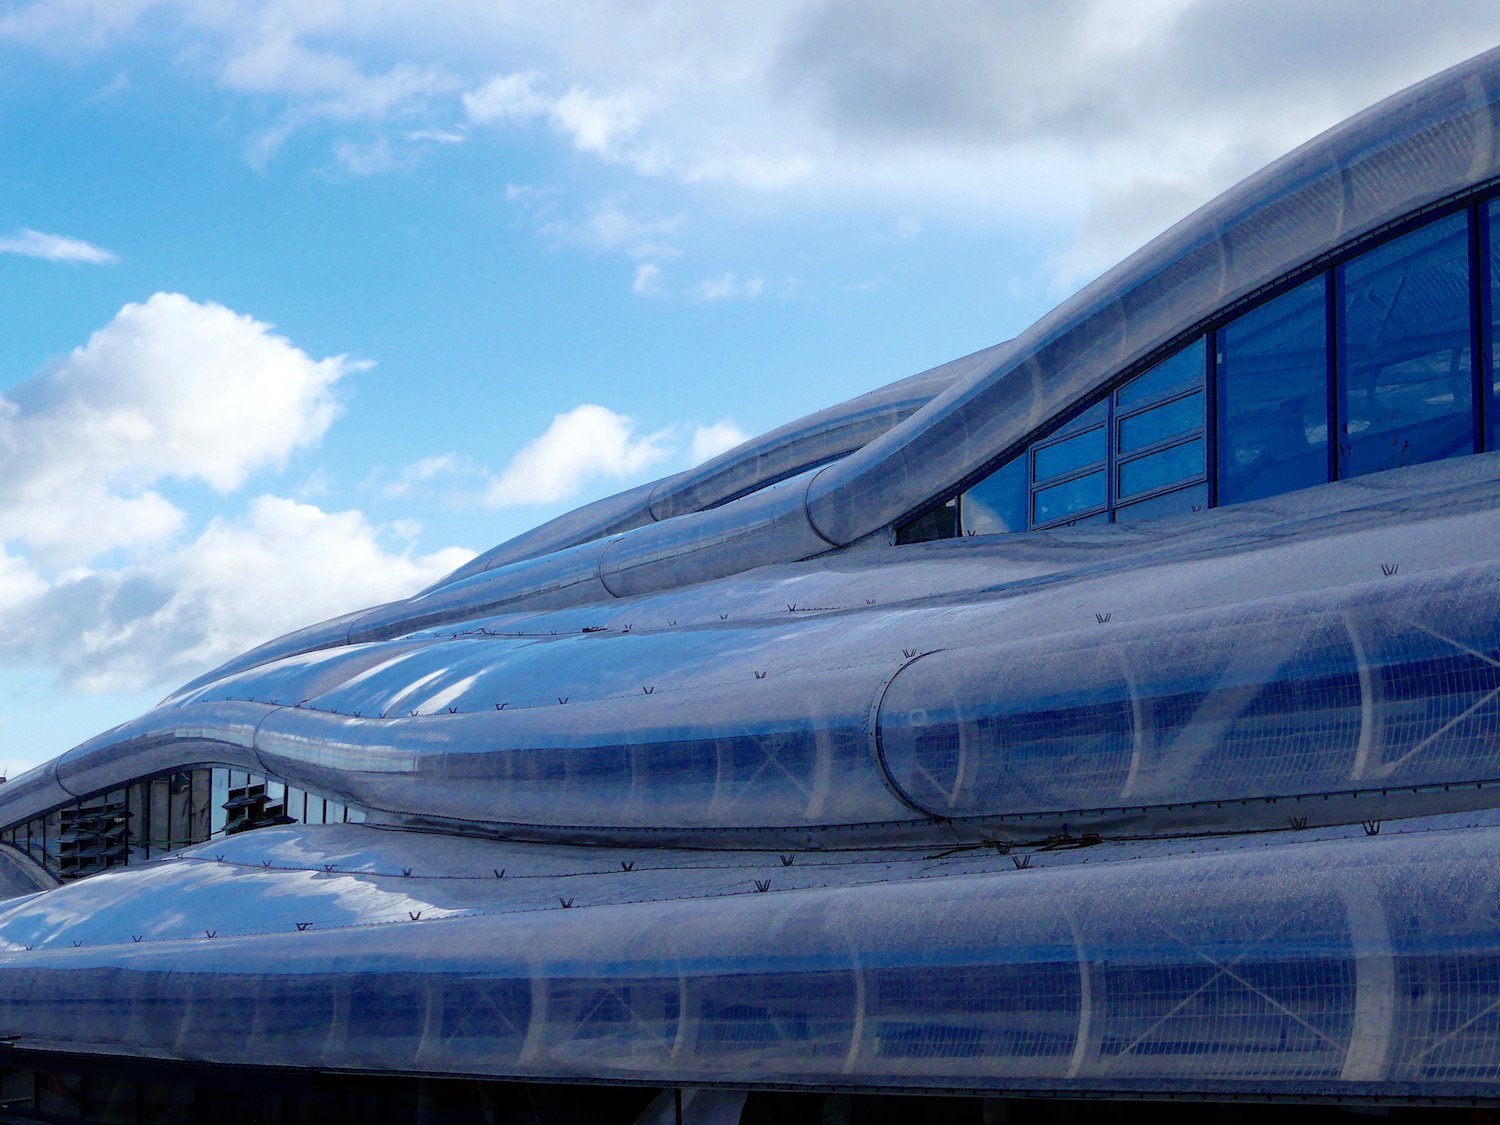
(1193, 498)
(1180, 416)
(1093, 416)
(1180, 462)
(1494, 250)
(1407, 395)
(1078, 495)
(1069, 454)
(1183, 370)
(997, 503)
(1273, 387)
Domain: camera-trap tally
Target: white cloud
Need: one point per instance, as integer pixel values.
(593, 123)
(760, 173)
(1064, 112)
(586, 444)
(242, 581)
(56, 248)
(728, 286)
(168, 389)
(588, 448)
(116, 87)
(647, 281)
(1068, 113)
(610, 229)
(326, 84)
(439, 136)
(599, 124)
(175, 389)
(367, 158)
(710, 441)
(19, 583)
(425, 471)
(65, 26)
(507, 97)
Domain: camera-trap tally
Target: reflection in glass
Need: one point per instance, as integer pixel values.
(1062, 500)
(1093, 416)
(997, 503)
(1194, 498)
(1180, 416)
(1493, 412)
(1273, 394)
(1072, 453)
(1406, 388)
(1171, 376)
(1157, 470)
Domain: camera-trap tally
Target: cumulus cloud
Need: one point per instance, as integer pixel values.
(240, 582)
(587, 449)
(710, 441)
(168, 389)
(103, 579)
(728, 286)
(586, 444)
(56, 248)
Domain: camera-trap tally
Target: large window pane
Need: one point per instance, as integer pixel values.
(1069, 454)
(1405, 363)
(1193, 498)
(1171, 376)
(1273, 392)
(1157, 470)
(1180, 416)
(1081, 494)
(997, 503)
(1493, 412)
(1093, 416)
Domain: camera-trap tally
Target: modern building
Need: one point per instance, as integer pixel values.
(1112, 713)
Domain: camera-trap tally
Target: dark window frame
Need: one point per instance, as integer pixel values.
(1473, 202)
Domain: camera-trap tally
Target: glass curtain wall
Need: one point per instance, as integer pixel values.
(1135, 455)
(1383, 360)
(158, 815)
(1405, 371)
(1273, 396)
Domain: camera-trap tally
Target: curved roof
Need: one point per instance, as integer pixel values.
(726, 680)
(1415, 149)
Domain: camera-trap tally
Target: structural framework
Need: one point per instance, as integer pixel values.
(1113, 711)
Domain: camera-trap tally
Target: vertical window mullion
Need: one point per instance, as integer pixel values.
(1481, 349)
(1337, 415)
(1030, 486)
(1110, 446)
(1213, 410)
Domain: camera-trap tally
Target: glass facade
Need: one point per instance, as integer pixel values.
(711, 805)
(1273, 396)
(1491, 298)
(157, 815)
(1136, 454)
(1380, 348)
(1405, 372)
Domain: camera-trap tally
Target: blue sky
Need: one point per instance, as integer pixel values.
(304, 302)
